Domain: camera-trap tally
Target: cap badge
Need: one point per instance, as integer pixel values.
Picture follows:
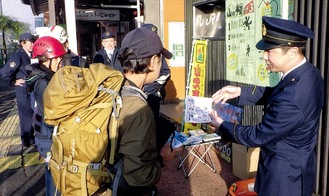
(263, 30)
(12, 64)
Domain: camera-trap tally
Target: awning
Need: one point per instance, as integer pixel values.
(41, 6)
(37, 6)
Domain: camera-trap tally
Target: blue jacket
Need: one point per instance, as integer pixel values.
(37, 81)
(287, 134)
(102, 57)
(15, 67)
(155, 87)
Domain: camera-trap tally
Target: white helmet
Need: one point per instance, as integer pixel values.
(59, 33)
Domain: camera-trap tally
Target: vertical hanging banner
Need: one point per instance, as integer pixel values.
(196, 77)
(243, 30)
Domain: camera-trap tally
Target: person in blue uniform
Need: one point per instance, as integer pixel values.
(156, 89)
(109, 54)
(155, 94)
(287, 134)
(14, 71)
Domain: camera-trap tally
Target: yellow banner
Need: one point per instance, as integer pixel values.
(196, 77)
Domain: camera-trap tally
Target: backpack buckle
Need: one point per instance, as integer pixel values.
(74, 168)
(94, 166)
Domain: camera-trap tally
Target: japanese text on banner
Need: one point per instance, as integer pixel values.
(197, 75)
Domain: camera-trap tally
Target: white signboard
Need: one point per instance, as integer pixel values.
(176, 43)
(209, 23)
(97, 14)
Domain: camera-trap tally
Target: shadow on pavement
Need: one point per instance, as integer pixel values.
(7, 99)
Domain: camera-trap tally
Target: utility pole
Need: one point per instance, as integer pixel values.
(4, 47)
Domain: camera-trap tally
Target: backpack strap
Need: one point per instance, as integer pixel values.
(128, 91)
(116, 101)
(114, 121)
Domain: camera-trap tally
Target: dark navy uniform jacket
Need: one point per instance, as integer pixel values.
(287, 134)
(102, 57)
(15, 67)
(155, 87)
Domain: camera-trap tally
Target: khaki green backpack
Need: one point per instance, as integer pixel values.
(83, 104)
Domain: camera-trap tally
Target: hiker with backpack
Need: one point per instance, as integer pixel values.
(49, 52)
(141, 57)
(104, 134)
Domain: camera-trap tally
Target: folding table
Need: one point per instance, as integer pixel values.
(200, 152)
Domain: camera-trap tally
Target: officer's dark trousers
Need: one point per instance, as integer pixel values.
(154, 103)
(25, 114)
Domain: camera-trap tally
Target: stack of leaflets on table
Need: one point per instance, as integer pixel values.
(210, 137)
(178, 139)
(197, 132)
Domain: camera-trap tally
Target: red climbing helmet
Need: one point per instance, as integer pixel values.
(48, 47)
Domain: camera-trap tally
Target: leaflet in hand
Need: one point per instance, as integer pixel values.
(197, 110)
(229, 112)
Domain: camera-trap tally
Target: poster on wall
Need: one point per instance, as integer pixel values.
(196, 77)
(176, 43)
(244, 62)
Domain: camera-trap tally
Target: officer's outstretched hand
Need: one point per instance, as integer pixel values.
(226, 93)
(215, 119)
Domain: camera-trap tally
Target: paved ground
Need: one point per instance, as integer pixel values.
(23, 174)
(16, 179)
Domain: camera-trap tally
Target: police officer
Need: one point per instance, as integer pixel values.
(14, 71)
(155, 93)
(156, 90)
(108, 55)
(287, 134)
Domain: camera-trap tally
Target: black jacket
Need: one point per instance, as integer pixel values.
(102, 57)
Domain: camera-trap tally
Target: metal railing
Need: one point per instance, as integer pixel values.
(5, 55)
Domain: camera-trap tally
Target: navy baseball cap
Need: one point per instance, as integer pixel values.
(27, 37)
(107, 35)
(151, 27)
(279, 32)
(145, 43)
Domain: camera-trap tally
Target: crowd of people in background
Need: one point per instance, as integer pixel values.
(287, 134)
(31, 68)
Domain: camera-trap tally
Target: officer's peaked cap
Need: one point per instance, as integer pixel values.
(280, 32)
(27, 37)
(151, 27)
(107, 35)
